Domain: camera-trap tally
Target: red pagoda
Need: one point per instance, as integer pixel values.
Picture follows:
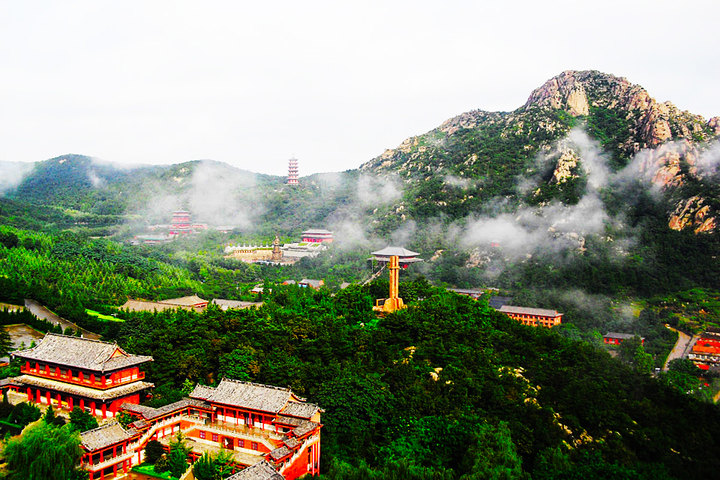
(181, 223)
(68, 371)
(292, 178)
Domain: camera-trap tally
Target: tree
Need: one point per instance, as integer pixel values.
(240, 364)
(43, 452)
(153, 451)
(24, 413)
(177, 460)
(204, 468)
(495, 454)
(125, 419)
(82, 421)
(49, 417)
(5, 407)
(214, 467)
(6, 345)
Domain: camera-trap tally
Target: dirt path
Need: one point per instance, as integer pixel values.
(681, 347)
(41, 312)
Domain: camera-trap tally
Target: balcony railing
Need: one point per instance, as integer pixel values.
(85, 382)
(107, 463)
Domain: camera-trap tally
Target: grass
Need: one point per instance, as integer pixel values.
(148, 469)
(101, 316)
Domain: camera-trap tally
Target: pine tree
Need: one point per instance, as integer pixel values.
(6, 345)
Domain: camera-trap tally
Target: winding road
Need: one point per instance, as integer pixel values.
(43, 313)
(681, 347)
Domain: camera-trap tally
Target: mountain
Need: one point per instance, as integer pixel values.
(460, 166)
(478, 164)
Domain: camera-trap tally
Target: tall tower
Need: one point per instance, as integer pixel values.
(393, 303)
(293, 172)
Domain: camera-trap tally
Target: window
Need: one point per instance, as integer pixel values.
(241, 443)
(202, 434)
(254, 445)
(214, 437)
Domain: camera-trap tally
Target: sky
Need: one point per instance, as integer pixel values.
(331, 83)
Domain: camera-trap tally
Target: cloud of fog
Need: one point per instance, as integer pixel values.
(708, 162)
(552, 227)
(12, 174)
(374, 191)
(95, 180)
(222, 195)
(458, 182)
(592, 159)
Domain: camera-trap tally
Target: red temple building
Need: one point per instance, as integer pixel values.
(68, 371)
(614, 338)
(271, 433)
(108, 449)
(536, 317)
(266, 429)
(317, 236)
(292, 178)
(181, 223)
(706, 351)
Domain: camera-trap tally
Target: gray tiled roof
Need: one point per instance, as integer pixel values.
(304, 428)
(282, 419)
(12, 381)
(82, 353)
(260, 471)
(302, 410)
(280, 453)
(229, 304)
(190, 301)
(625, 336)
(528, 311)
(291, 443)
(202, 392)
(252, 396)
(399, 251)
(149, 413)
(105, 436)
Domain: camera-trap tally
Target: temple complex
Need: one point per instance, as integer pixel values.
(276, 253)
(265, 428)
(66, 371)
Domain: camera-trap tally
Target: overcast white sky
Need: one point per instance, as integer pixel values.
(333, 83)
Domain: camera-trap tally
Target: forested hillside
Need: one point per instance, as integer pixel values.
(446, 389)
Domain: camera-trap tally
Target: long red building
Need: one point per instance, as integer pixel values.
(532, 316)
(66, 371)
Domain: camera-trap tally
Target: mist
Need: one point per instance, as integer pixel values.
(12, 174)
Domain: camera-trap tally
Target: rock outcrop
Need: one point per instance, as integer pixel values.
(693, 213)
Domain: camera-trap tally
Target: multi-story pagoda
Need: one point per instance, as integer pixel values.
(70, 371)
(181, 223)
(292, 178)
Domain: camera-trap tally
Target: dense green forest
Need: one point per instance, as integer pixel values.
(447, 387)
